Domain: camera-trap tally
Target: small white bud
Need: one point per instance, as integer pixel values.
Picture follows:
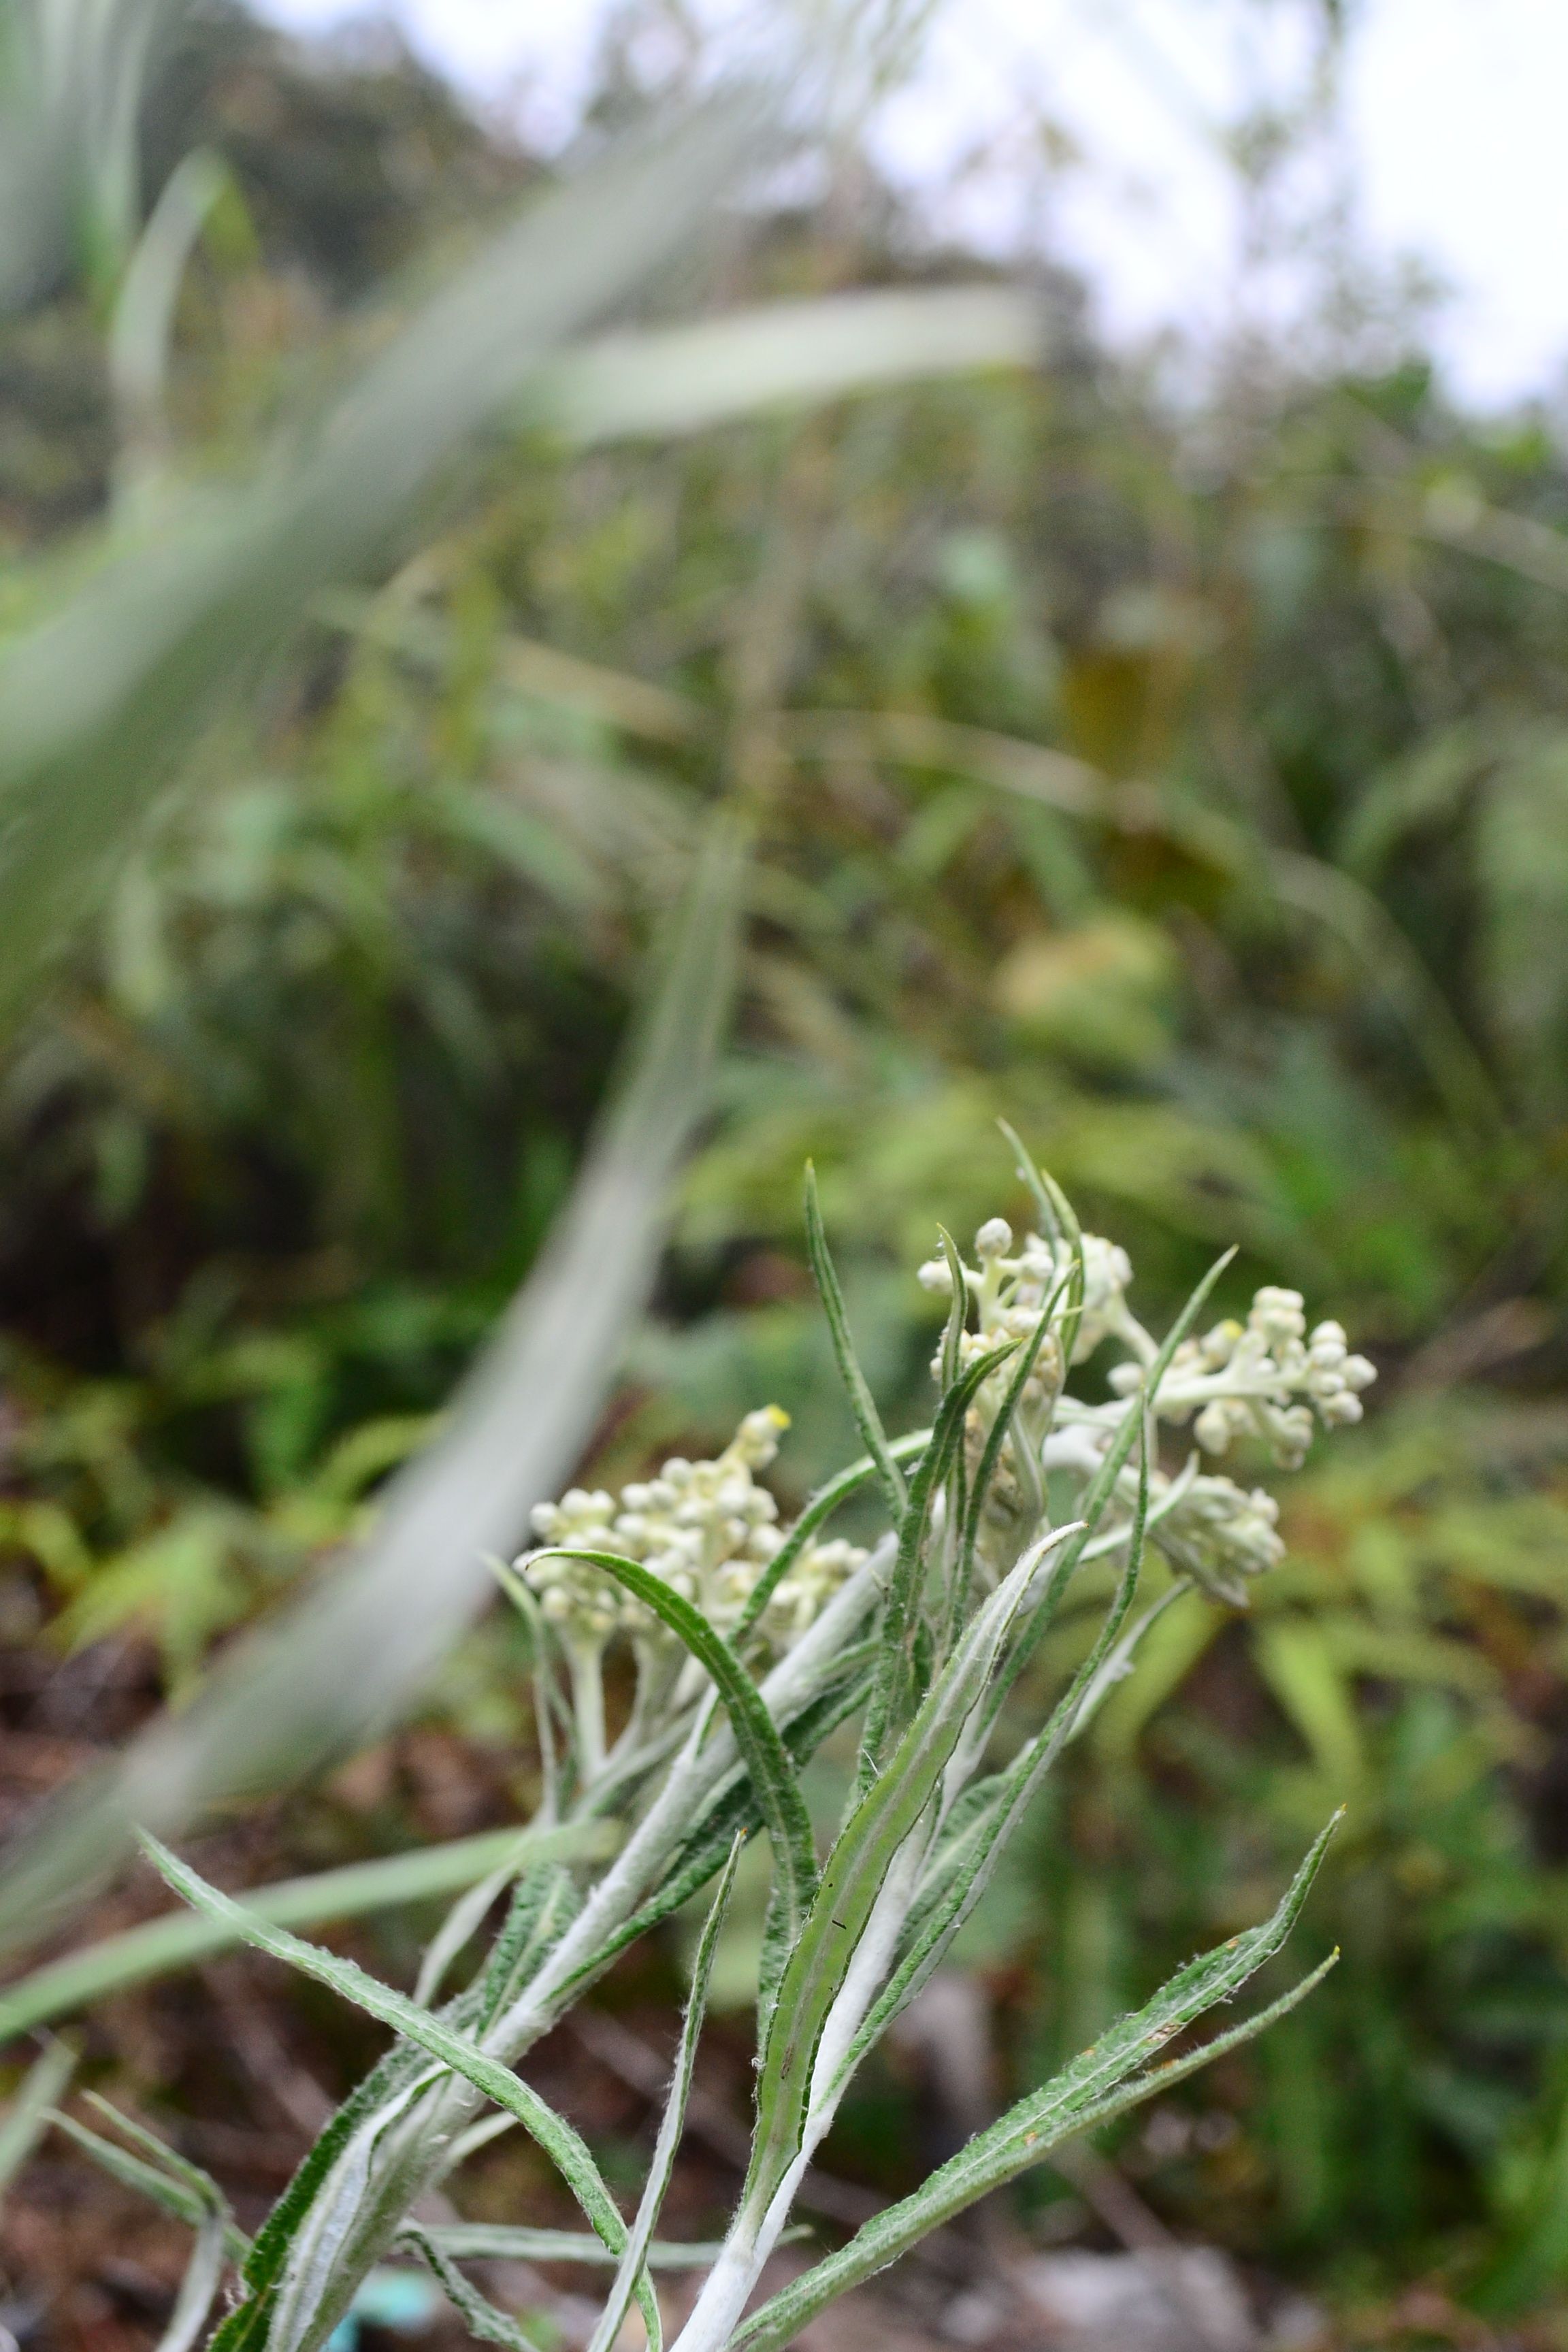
(994, 1238)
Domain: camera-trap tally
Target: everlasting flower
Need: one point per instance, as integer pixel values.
(1220, 1536)
(706, 1528)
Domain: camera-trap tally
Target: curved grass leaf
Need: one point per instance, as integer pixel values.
(99, 703)
(685, 379)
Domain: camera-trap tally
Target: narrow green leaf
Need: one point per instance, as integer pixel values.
(560, 2142)
(183, 1938)
(1095, 2086)
(98, 704)
(672, 2123)
(862, 1403)
(820, 1508)
(479, 2316)
(852, 1878)
(756, 1735)
(986, 1470)
(484, 2242)
(29, 2112)
(886, 1714)
(686, 379)
(1103, 1485)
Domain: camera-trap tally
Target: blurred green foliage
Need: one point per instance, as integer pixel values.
(1219, 839)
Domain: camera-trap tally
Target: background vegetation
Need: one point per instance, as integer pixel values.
(1187, 780)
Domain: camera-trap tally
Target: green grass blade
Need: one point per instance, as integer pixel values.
(862, 1403)
(687, 379)
(29, 2112)
(97, 705)
(178, 1941)
(756, 1735)
(672, 2123)
(560, 2142)
(1059, 1219)
(371, 1632)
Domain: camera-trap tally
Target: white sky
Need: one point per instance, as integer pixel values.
(1455, 114)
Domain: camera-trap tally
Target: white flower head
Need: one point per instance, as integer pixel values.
(1220, 1537)
(706, 1528)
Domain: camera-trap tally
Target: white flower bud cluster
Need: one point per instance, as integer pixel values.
(1243, 1379)
(706, 1528)
(1011, 1290)
(1219, 1535)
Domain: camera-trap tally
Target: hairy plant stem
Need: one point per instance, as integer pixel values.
(362, 2206)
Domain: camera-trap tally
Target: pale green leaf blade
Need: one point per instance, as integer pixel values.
(685, 379)
(98, 704)
(28, 2113)
(183, 1937)
(357, 1647)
